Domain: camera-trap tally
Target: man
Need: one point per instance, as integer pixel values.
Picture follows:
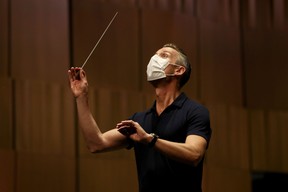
(169, 140)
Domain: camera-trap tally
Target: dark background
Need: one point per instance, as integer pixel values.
(238, 51)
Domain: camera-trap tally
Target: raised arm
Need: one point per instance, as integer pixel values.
(96, 141)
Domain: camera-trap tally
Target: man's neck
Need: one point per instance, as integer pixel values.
(165, 95)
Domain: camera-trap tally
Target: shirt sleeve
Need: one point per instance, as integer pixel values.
(199, 123)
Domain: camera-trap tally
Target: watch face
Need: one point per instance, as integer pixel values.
(127, 130)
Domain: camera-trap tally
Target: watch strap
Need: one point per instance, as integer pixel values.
(153, 141)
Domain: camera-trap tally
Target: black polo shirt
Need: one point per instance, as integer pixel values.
(157, 172)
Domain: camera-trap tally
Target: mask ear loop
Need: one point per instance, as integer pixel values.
(174, 64)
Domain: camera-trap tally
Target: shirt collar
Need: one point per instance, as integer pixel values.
(178, 102)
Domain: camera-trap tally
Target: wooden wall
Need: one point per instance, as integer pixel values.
(237, 49)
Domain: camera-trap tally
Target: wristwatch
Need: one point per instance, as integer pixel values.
(155, 137)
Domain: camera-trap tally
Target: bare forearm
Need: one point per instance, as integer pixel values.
(188, 152)
(96, 140)
(87, 124)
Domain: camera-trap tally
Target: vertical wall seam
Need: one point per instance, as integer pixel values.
(71, 64)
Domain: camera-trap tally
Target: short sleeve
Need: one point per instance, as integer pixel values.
(199, 123)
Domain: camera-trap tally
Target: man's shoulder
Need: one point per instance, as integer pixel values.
(195, 104)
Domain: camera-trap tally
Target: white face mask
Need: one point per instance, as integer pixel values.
(156, 67)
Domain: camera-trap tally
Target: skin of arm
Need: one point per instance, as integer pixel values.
(190, 152)
(96, 141)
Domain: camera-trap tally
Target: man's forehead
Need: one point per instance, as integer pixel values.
(167, 50)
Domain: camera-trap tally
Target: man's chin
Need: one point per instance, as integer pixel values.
(158, 82)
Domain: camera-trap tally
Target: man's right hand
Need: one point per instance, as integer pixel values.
(78, 81)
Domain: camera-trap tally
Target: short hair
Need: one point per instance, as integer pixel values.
(183, 61)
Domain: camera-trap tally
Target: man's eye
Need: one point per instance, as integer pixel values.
(164, 55)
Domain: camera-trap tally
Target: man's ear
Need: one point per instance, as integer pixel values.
(180, 70)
